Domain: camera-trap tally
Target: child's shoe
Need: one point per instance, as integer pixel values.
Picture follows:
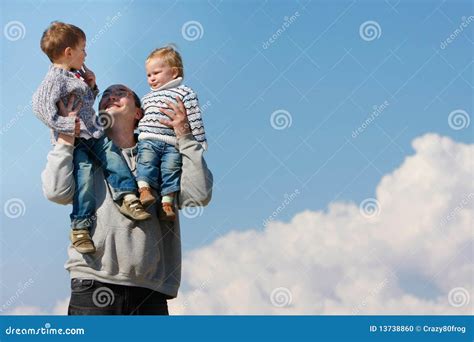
(146, 197)
(166, 212)
(133, 209)
(81, 241)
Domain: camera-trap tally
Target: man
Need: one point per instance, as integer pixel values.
(137, 265)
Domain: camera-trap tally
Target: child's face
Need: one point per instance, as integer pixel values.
(158, 72)
(78, 55)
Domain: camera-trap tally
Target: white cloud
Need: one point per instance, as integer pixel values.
(405, 260)
(60, 308)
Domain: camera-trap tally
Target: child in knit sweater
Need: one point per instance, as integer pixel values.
(64, 44)
(159, 161)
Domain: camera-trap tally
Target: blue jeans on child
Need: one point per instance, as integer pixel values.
(105, 154)
(159, 164)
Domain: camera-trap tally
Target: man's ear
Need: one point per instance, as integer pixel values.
(139, 114)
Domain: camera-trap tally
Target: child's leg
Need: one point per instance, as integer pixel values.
(148, 171)
(119, 177)
(83, 207)
(170, 180)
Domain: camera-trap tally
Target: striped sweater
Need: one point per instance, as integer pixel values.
(150, 127)
(59, 84)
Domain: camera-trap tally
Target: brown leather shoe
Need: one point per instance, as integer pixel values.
(146, 197)
(166, 212)
(81, 241)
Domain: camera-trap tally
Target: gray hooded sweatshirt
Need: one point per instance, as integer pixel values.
(145, 253)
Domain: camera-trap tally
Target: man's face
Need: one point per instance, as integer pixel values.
(118, 101)
(158, 72)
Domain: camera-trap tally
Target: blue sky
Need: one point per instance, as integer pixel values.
(319, 71)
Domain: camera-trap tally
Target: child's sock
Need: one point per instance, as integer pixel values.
(167, 199)
(143, 184)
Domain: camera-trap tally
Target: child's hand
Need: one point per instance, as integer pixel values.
(89, 76)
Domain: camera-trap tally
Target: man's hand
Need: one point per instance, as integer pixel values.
(178, 118)
(69, 111)
(89, 76)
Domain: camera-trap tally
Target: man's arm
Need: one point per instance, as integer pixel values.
(57, 177)
(196, 178)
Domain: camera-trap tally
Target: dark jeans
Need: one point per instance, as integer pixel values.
(115, 169)
(92, 297)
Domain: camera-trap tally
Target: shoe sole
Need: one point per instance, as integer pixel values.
(145, 217)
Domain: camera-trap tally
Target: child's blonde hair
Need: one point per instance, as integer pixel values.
(170, 56)
(58, 36)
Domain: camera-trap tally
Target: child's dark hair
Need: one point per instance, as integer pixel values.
(58, 36)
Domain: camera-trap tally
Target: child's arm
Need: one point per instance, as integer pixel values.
(45, 108)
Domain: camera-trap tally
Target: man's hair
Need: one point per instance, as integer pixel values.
(170, 56)
(136, 99)
(58, 36)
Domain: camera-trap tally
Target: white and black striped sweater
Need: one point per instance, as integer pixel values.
(150, 126)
